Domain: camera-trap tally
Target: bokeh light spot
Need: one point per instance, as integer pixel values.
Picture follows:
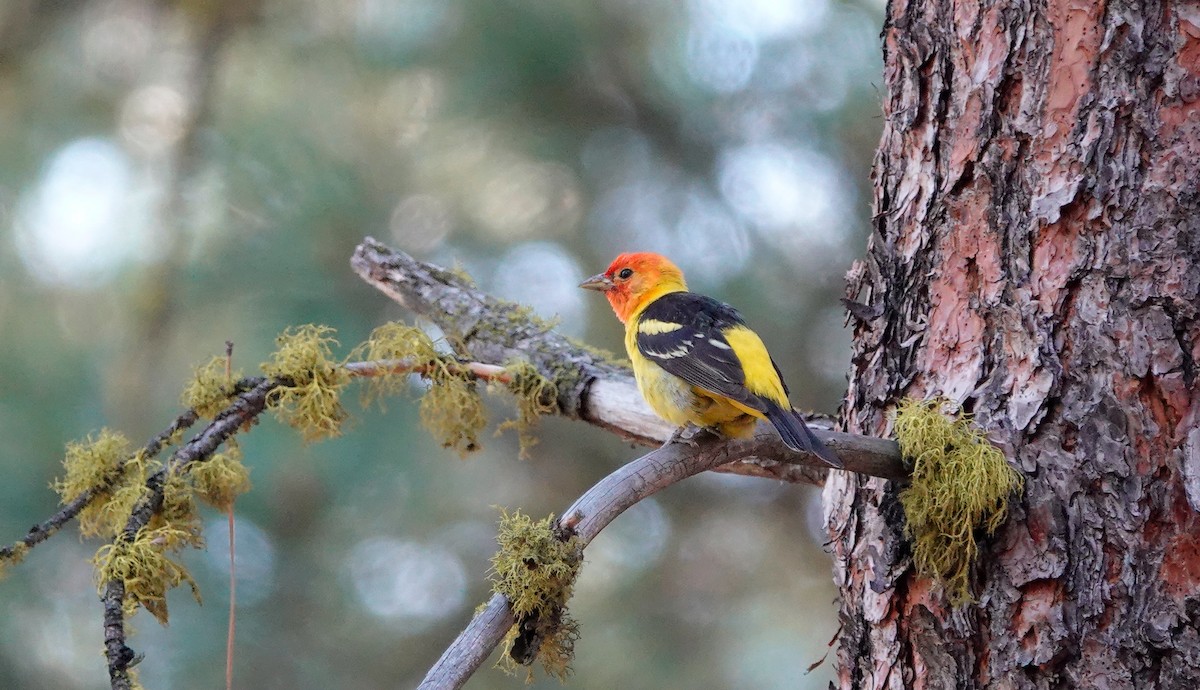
(254, 557)
(420, 223)
(409, 582)
(152, 119)
(75, 226)
(765, 19)
(721, 57)
(546, 277)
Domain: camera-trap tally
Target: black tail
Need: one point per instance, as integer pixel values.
(797, 436)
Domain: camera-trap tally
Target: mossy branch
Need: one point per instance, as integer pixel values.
(579, 524)
(587, 384)
(74, 506)
(147, 507)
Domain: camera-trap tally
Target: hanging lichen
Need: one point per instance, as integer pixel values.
(146, 569)
(535, 396)
(960, 483)
(536, 571)
(396, 342)
(453, 412)
(219, 480)
(311, 400)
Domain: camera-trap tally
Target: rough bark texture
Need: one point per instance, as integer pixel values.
(1036, 257)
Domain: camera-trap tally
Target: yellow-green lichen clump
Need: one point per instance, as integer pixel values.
(210, 389)
(535, 396)
(311, 403)
(536, 571)
(960, 483)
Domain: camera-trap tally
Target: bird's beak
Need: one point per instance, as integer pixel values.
(598, 282)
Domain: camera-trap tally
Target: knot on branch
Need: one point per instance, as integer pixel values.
(960, 483)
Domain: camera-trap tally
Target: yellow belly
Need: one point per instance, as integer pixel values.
(680, 403)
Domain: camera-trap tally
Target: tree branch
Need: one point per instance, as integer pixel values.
(589, 387)
(585, 518)
(244, 408)
(250, 401)
(47, 528)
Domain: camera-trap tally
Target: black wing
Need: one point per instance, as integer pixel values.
(696, 350)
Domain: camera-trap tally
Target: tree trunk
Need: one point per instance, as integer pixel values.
(1037, 258)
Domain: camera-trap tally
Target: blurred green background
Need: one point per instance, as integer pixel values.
(175, 175)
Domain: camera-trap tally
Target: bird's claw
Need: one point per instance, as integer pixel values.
(686, 434)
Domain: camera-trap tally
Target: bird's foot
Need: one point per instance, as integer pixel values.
(686, 434)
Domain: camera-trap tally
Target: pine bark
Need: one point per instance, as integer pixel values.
(1036, 256)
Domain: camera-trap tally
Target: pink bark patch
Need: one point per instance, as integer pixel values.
(969, 277)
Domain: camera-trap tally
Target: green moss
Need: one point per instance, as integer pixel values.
(460, 272)
(219, 480)
(960, 484)
(535, 396)
(210, 389)
(600, 354)
(312, 403)
(146, 568)
(536, 570)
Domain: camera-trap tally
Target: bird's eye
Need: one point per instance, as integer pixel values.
(625, 273)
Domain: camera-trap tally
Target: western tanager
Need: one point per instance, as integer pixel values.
(695, 360)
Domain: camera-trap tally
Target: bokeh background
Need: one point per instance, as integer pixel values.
(177, 174)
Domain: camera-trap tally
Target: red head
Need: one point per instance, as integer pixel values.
(636, 279)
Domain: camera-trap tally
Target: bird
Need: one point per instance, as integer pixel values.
(695, 360)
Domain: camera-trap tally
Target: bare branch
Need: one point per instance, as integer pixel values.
(591, 388)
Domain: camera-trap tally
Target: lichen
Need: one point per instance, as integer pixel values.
(311, 402)
(395, 341)
(16, 554)
(452, 411)
(91, 464)
(103, 465)
(146, 569)
(536, 570)
(535, 396)
(210, 389)
(219, 480)
(178, 509)
(960, 483)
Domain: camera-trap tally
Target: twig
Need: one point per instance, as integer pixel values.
(243, 409)
(478, 370)
(492, 332)
(46, 529)
(586, 517)
(229, 634)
